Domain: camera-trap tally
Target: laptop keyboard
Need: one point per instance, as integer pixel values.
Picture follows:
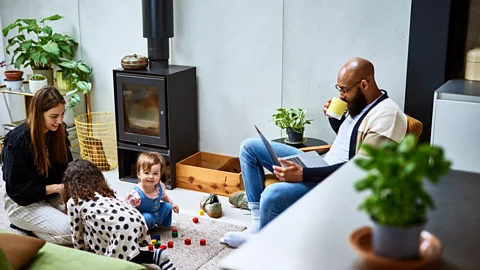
(298, 161)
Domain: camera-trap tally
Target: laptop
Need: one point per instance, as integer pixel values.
(306, 160)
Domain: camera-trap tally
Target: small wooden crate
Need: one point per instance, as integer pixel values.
(210, 173)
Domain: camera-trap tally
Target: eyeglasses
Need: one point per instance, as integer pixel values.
(344, 91)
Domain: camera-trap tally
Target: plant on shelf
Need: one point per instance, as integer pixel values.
(11, 75)
(294, 121)
(36, 82)
(398, 201)
(73, 79)
(37, 45)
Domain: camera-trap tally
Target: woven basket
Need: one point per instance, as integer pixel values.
(98, 139)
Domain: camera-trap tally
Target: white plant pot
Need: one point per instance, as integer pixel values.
(13, 85)
(36, 85)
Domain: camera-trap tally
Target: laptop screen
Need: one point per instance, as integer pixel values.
(270, 151)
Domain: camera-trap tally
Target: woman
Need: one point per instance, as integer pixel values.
(35, 155)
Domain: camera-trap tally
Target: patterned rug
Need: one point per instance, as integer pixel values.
(195, 256)
(185, 257)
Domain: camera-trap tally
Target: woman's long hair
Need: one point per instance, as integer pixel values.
(82, 179)
(45, 99)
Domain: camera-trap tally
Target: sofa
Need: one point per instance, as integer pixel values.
(51, 256)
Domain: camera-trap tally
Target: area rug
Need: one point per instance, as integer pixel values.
(195, 256)
(185, 257)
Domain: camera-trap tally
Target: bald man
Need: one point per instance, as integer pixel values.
(371, 118)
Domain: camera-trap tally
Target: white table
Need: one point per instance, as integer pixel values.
(313, 233)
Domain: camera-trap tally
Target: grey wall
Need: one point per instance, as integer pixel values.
(251, 56)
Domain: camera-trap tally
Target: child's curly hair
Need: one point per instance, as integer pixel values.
(146, 160)
(82, 179)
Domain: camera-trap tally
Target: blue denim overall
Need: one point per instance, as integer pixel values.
(155, 211)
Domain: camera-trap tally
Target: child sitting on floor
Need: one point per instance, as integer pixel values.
(148, 194)
(102, 224)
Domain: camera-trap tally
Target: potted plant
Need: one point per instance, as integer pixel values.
(38, 46)
(36, 82)
(398, 202)
(73, 78)
(294, 121)
(13, 78)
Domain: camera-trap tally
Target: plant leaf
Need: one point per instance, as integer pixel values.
(68, 64)
(51, 47)
(71, 92)
(47, 30)
(51, 18)
(83, 68)
(9, 27)
(65, 48)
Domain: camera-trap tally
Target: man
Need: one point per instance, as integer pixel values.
(372, 117)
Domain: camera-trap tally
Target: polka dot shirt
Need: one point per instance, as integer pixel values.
(107, 226)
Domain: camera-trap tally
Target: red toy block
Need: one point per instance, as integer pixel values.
(163, 247)
(195, 220)
(174, 230)
(188, 241)
(203, 242)
(170, 244)
(150, 247)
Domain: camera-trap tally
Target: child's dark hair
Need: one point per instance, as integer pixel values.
(146, 160)
(82, 179)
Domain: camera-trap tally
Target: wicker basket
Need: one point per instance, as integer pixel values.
(97, 138)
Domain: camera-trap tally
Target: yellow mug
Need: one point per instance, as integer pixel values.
(337, 108)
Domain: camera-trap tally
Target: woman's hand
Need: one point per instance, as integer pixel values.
(175, 208)
(55, 188)
(291, 173)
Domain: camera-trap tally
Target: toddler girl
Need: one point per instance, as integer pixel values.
(102, 224)
(148, 194)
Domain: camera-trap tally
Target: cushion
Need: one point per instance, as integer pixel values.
(53, 257)
(4, 263)
(19, 249)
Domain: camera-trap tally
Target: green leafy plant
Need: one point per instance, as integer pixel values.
(76, 75)
(291, 118)
(37, 45)
(37, 77)
(395, 178)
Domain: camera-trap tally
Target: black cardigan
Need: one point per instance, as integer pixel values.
(23, 183)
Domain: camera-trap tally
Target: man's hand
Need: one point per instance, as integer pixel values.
(325, 107)
(292, 173)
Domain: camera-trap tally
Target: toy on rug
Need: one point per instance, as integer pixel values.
(195, 220)
(174, 232)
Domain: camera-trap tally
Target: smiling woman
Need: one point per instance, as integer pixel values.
(35, 155)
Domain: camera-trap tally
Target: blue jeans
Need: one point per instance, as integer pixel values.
(275, 198)
(162, 217)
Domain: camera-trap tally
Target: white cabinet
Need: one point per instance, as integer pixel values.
(456, 123)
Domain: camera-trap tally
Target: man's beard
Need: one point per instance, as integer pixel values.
(358, 103)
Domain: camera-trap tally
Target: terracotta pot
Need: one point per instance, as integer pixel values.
(134, 62)
(13, 75)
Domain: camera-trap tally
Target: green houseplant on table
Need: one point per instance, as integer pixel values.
(398, 202)
(38, 46)
(294, 121)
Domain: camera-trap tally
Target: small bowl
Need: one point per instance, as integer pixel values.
(430, 250)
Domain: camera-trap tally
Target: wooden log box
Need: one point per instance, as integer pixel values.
(210, 173)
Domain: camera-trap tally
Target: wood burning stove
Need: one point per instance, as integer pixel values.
(156, 109)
